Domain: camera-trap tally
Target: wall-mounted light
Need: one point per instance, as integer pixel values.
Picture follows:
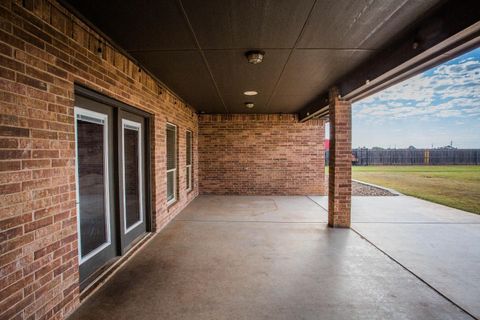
(255, 56)
(250, 93)
(249, 105)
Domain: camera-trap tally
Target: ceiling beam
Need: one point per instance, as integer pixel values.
(451, 29)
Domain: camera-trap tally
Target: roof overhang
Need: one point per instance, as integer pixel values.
(451, 30)
(197, 48)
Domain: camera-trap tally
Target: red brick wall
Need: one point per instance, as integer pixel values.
(260, 155)
(44, 50)
(340, 166)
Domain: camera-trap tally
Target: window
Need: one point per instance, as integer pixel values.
(171, 163)
(188, 166)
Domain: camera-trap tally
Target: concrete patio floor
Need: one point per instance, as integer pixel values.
(440, 245)
(234, 257)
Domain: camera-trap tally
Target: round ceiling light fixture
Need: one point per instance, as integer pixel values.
(255, 56)
(250, 93)
(249, 105)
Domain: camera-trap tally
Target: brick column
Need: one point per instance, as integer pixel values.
(340, 162)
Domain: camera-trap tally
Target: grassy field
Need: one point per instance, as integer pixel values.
(453, 186)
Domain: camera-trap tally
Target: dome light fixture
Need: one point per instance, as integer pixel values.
(255, 56)
(249, 105)
(250, 93)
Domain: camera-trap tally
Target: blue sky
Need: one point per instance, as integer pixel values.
(436, 107)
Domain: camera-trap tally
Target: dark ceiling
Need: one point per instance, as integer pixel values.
(197, 47)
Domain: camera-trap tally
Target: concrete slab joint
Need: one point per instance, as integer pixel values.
(340, 164)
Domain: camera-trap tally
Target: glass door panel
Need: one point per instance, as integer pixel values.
(132, 180)
(93, 134)
(92, 182)
(132, 173)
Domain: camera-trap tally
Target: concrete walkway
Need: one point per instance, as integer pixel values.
(232, 257)
(440, 245)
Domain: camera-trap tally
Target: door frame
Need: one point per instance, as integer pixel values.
(97, 259)
(118, 106)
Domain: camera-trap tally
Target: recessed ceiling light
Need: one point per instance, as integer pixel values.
(250, 93)
(249, 105)
(255, 56)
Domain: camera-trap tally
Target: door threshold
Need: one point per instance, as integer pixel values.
(105, 273)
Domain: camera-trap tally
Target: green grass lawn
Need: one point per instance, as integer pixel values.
(453, 186)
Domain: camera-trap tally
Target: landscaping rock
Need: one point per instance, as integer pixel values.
(361, 189)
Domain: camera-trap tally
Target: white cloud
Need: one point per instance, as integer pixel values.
(449, 90)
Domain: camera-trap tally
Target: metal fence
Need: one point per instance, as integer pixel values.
(441, 156)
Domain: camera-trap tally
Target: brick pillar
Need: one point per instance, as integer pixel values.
(340, 162)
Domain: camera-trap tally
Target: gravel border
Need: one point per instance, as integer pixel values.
(363, 189)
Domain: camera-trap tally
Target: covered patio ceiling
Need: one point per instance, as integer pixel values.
(197, 48)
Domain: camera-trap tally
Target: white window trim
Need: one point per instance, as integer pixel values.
(189, 182)
(174, 199)
(132, 126)
(103, 117)
(189, 166)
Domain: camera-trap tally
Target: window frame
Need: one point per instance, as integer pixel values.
(188, 166)
(175, 174)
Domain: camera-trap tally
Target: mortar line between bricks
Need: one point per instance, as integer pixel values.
(414, 274)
